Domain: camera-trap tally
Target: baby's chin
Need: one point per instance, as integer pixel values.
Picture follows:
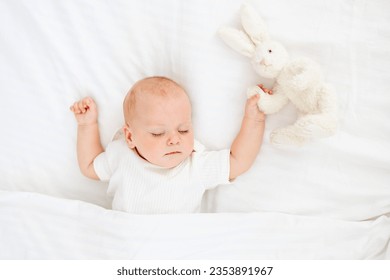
(173, 159)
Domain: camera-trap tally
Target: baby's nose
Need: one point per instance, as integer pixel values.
(174, 139)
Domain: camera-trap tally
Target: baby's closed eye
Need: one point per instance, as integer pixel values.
(157, 134)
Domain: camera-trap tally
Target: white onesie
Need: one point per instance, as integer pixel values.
(140, 187)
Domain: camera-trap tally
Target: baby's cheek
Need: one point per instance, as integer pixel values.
(190, 147)
(150, 148)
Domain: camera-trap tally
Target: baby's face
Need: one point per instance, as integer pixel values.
(161, 129)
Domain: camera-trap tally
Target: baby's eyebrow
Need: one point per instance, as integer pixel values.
(163, 126)
(188, 122)
(160, 127)
(185, 125)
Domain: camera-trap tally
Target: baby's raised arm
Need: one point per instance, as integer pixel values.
(248, 141)
(88, 137)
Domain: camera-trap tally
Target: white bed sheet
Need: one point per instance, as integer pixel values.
(36, 226)
(55, 52)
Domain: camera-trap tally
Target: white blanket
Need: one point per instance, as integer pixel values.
(53, 53)
(37, 226)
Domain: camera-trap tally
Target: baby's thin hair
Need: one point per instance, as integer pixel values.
(156, 85)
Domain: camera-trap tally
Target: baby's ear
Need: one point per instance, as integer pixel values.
(128, 137)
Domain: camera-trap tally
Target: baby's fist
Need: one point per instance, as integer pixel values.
(85, 111)
(252, 110)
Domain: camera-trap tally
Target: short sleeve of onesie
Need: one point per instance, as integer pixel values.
(214, 167)
(106, 162)
(102, 167)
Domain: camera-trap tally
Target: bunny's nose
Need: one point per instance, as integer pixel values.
(264, 62)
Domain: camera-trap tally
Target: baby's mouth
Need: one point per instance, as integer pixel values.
(172, 153)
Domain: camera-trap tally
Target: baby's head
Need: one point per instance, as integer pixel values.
(158, 124)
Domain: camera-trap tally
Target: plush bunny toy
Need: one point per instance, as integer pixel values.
(299, 81)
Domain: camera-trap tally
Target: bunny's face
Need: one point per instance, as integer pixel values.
(269, 58)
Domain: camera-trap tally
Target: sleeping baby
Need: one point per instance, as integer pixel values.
(158, 167)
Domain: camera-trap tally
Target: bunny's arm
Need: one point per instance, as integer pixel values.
(269, 104)
(328, 102)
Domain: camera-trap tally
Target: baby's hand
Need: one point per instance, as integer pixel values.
(252, 110)
(85, 111)
(266, 90)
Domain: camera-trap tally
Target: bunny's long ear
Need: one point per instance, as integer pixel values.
(237, 40)
(253, 24)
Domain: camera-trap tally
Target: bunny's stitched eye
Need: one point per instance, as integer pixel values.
(270, 51)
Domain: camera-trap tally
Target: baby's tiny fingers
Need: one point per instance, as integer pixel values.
(254, 98)
(86, 101)
(75, 108)
(91, 104)
(81, 106)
